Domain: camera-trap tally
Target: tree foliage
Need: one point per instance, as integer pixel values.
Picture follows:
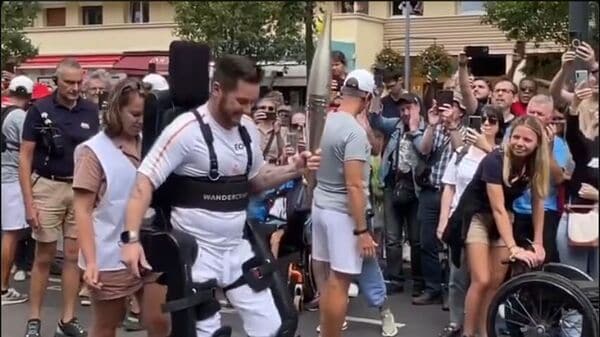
(17, 15)
(434, 61)
(390, 59)
(268, 31)
(535, 21)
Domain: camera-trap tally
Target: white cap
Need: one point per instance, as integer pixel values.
(156, 81)
(361, 80)
(21, 84)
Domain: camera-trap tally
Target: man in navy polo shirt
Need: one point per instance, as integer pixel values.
(54, 126)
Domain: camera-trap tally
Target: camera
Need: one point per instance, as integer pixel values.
(51, 137)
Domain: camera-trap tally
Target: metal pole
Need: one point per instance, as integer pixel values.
(407, 10)
(578, 27)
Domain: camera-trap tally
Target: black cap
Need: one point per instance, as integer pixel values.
(408, 98)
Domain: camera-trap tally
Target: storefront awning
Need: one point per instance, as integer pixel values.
(86, 61)
(138, 64)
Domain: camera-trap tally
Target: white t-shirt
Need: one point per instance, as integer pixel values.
(181, 149)
(461, 175)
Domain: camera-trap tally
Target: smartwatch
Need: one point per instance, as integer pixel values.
(130, 237)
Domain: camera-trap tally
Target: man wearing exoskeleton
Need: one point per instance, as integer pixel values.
(209, 161)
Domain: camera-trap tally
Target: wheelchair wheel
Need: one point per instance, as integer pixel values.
(310, 284)
(541, 304)
(570, 272)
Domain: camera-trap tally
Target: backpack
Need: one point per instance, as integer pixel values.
(5, 112)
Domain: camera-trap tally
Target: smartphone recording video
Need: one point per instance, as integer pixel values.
(444, 97)
(475, 123)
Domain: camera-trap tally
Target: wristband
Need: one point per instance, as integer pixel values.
(360, 232)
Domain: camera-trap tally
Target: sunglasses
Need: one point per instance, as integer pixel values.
(492, 120)
(526, 89)
(295, 126)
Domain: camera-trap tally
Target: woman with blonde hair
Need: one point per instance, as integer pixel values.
(105, 171)
(482, 221)
(582, 138)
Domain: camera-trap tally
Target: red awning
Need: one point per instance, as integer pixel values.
(86, 61)
(138, 64)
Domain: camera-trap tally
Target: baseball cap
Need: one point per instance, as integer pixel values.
(408, 98)
(359, 82)
(41, 90)
(458, 98)
(156, 81)
(21, 85)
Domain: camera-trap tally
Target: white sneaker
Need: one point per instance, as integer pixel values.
(13, 297)
(388, 324)
(344, 327)
(406, 252)
(20, 275)
(353, 290)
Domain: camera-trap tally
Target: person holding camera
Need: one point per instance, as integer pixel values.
(265, 117)
(443, 135)
(400, 200)
(13, 211)
(54, 126)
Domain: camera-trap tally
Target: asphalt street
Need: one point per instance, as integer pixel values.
(414, 321)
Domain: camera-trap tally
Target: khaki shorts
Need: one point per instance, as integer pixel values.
(54, 202)
(120, 284)
(479, 230)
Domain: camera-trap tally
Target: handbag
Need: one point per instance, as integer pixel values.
(582, 225)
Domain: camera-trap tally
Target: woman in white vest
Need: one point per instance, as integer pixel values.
(105, 171)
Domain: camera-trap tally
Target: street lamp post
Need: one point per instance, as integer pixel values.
(407, 10)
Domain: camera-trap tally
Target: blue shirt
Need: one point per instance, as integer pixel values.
(259, 205)
(523, 204)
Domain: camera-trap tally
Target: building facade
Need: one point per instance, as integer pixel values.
(106, 34)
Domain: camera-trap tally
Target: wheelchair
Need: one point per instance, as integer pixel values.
(554, 300)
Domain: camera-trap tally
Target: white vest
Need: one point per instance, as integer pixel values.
(109, 215)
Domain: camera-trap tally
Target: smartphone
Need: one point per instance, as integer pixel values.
(475, 122)
(444, 97)
(520, 48)
(292, 139)
(574, 39)
(102, 100)
(580, 77)
(271, 116)
(477, 51)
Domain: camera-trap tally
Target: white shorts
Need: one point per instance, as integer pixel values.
(13, 208)
(333, 241)
(257, 310)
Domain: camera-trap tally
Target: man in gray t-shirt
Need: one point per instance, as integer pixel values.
(13, 209)
(344, 139)
(12, 127)
(340, 237)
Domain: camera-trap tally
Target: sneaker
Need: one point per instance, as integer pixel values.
(353, 290)
(388, 324)
(84, 296)
(451, 331)
(33, 329)
(313, 305)
(70, 329)
(132, 322)
(344, 327)
(20, 275)
(13, 297)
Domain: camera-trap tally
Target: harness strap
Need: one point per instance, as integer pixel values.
(263, 271)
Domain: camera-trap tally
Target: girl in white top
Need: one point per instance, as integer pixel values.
(105, 171)
(458, 175)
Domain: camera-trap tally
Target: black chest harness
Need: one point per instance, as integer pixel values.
(213, 192)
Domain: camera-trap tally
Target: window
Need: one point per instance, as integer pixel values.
(91, 15)
(140, 11)
(355, 7)
(471, 7)
(56, 17)
(416, 8)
